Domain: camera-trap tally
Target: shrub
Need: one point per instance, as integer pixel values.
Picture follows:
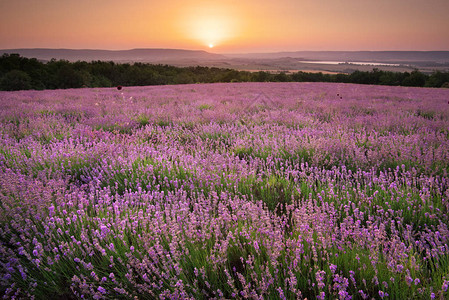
(15, 80)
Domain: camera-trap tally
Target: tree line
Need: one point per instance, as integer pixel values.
(21, 73)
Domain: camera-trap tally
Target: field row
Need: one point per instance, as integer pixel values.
(222, 191)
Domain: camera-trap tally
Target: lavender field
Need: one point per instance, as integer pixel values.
(220, 191)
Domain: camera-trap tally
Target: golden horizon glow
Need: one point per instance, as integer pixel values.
(234, 25)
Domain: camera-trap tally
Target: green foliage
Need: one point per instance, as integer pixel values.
(19, 73)
(205, 107)
(438, 79)
(69, 77)
(416, 78)
(15, 80)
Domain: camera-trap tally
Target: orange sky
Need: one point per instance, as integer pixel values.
(230, 25)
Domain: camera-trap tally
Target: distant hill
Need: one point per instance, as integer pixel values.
(362, 56)
(133, 55)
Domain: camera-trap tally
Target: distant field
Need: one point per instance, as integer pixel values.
(245, 190)
(289, 71)
(290, 65)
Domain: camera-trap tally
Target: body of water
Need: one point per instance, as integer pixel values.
(351, 62)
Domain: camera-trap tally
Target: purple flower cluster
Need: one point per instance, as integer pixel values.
(214, 191)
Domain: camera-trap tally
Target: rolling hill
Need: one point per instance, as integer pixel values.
(133, 55)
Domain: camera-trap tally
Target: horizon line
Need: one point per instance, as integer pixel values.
(223, 53)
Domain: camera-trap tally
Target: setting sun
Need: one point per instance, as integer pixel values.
(209, 25)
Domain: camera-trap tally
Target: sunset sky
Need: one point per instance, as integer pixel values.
(227, 25)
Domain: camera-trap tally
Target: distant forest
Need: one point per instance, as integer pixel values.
(20, 73)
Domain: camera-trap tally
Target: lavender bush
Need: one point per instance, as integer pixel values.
(254, 190)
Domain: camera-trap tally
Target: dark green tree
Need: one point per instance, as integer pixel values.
(437, 79)
(15, 80)
(415, 78)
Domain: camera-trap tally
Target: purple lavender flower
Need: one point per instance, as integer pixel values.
(101, 290)
(383, 294)
(204, 190)
(333, 268)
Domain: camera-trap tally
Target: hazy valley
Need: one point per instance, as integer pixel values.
(308, 61)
